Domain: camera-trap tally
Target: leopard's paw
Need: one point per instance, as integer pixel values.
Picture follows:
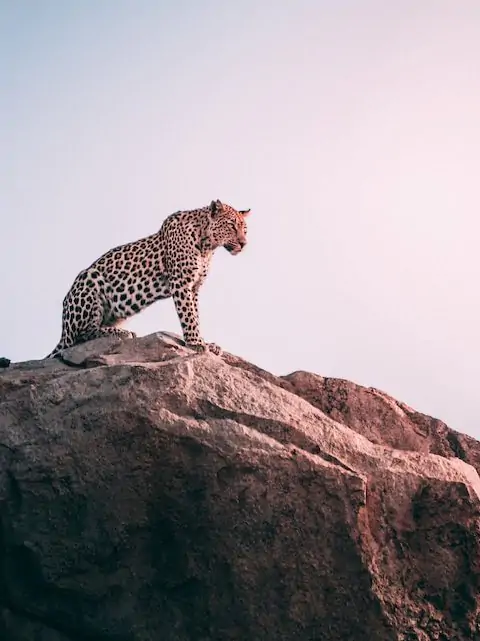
(122, 333)
(214, 349)
(197, 347)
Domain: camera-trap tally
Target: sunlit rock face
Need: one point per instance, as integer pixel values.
(149, 493)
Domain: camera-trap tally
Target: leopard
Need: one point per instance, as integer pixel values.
(171, 263)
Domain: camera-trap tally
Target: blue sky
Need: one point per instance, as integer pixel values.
(349, 127)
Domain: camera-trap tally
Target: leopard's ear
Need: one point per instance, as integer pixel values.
(244, 212)
(215, 208)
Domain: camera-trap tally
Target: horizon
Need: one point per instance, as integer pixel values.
(350, 131)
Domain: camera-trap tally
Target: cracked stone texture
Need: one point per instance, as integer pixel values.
(148, 493)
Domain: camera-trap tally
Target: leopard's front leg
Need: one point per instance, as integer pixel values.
(186, 305)
(186, 272)
(212, 347)
(185, 297)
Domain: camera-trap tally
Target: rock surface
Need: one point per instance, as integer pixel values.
(148, 493)
(383, 419)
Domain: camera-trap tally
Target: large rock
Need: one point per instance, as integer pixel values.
(148, 493)
(383, 419)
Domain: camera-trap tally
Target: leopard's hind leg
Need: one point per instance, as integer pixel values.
(98, 328)
(107, 330)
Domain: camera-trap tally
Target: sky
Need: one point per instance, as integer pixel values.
(350, 128)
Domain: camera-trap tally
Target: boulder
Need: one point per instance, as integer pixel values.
(151, 493)
(383, 419)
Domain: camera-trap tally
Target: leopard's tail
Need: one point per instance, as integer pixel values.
(58, 350)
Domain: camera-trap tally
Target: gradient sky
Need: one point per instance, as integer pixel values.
(351, 128)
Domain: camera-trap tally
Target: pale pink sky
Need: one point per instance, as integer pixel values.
(352, 130)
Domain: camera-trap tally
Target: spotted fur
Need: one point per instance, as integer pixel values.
(173, 262)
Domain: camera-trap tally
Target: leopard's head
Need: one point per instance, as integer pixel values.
(228, 227)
